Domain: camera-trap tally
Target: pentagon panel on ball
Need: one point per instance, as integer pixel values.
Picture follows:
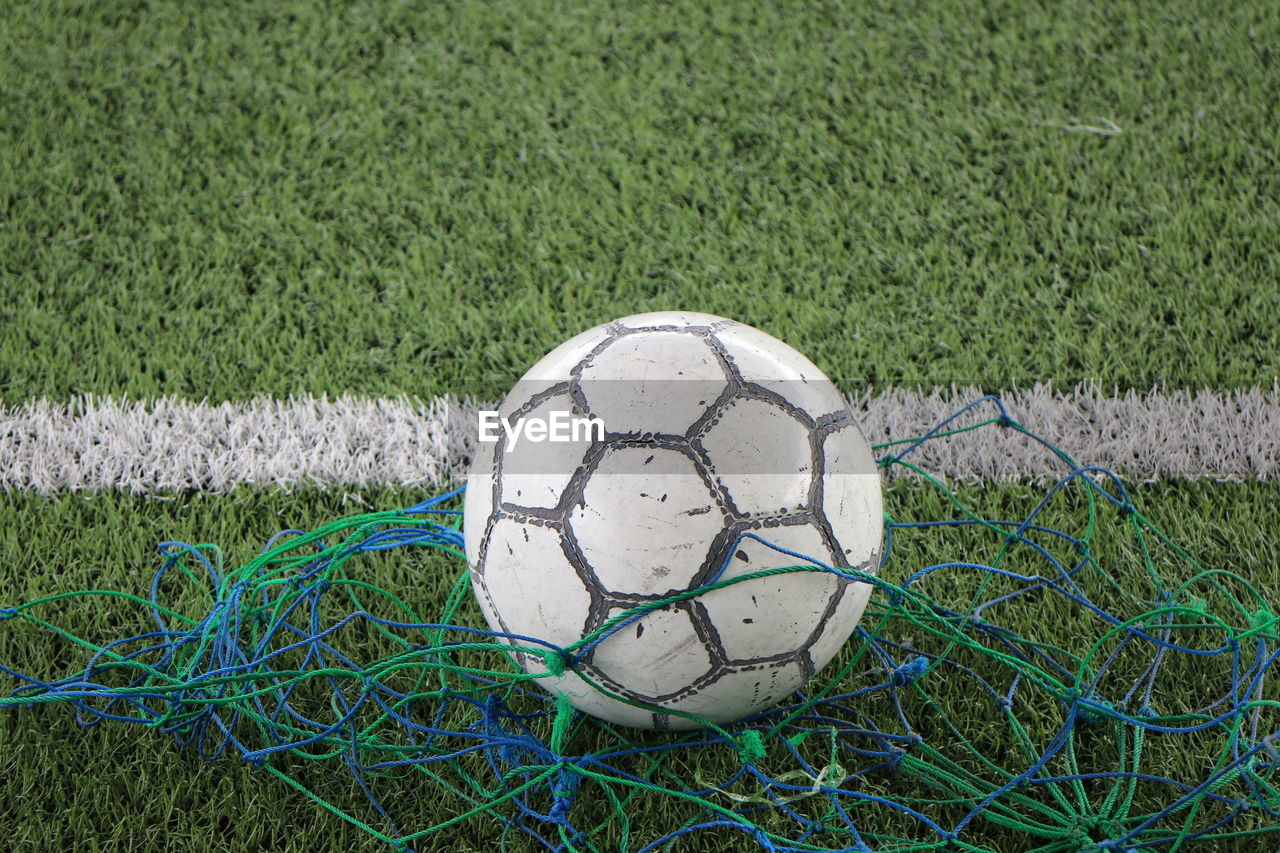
(644, 460)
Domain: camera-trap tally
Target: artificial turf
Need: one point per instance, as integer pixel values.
(234, 199)
(121, 787)
(423, 198)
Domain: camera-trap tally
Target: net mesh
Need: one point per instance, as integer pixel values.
(1060, 676)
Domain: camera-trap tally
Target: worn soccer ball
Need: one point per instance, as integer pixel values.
(691, 448)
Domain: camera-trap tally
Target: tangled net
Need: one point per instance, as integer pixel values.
(1096, 690)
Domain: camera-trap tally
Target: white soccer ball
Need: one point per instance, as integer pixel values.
(713, 433)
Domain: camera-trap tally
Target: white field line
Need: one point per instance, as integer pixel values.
(166, 445)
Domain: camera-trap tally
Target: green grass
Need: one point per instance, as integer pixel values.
(225, 199)
(405, 198)
(113, 787)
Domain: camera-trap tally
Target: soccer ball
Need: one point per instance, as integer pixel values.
(706, 446)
